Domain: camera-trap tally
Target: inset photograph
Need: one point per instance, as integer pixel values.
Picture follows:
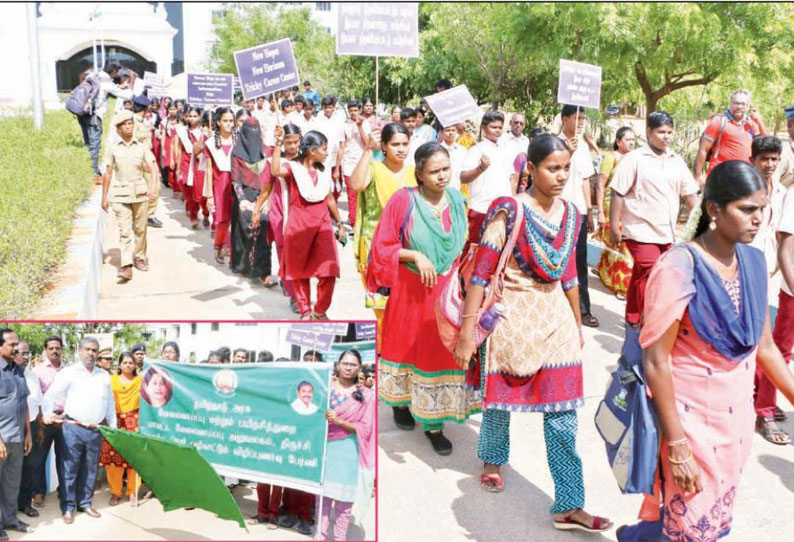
(188, 430)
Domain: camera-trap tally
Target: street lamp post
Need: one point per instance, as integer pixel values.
(35, 67)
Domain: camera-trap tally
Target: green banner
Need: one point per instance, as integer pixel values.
(260, 422)
(365, 348)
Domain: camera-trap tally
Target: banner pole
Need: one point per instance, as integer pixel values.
(377, 84)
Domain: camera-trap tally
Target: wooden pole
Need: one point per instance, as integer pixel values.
(377, 85)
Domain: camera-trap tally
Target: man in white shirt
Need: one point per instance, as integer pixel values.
(577, 191)
(268, 120)
(329, 125)
(408, 120)
(303, 404)
(88, 403)
(514, 141)
(457, 153)
(765, 156)
(356, 132)
(305, 121)
(24, 501)
(486, 170)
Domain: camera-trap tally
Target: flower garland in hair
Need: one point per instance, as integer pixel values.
(692, 223)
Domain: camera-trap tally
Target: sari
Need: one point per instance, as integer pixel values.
(614, 267)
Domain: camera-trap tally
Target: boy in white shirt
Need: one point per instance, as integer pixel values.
(457, 153)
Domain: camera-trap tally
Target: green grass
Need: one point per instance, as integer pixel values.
(44, 176)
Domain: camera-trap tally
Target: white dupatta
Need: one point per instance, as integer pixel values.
(308, 190)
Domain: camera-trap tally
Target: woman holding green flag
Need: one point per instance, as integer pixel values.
(417, 242)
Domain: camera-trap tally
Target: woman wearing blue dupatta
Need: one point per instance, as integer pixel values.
(705, 325)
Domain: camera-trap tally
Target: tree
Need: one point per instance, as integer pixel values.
(125, 335)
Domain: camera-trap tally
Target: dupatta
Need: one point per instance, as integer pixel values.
(427, 233)
(711, 310)
(127, 396)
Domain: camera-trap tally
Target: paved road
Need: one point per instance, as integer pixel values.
(428, 497)
(185, 282)
(150, 522)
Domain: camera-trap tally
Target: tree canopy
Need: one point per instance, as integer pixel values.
(687, 56)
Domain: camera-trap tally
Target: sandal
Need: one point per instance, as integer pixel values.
(769, 430)
(316, 316)
(568, 523)
(219, 255)
(780, 416)
(492, 483)
(115, 500)
(269, 281)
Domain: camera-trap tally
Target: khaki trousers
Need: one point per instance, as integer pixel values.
(131, 218)
(154, 188)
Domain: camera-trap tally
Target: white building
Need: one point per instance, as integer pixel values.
(163, 37)
(197, 340)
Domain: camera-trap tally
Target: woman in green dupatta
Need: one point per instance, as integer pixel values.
(418, 240)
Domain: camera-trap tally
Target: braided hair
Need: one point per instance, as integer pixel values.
(312, 140)
(218, 116)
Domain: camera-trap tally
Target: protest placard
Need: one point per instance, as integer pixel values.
(453, 106)
(155, 83)
(579, 84)
(365, 330)
(378, 29)
(310, 339)
(249, 420)
(266, 68)
(332, 328)
(209, 89)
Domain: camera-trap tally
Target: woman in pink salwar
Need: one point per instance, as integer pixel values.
(350, 452)
(705, 325)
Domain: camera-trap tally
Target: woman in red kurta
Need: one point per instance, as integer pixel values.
(414, 252)
(166, 134)
(309, 245)
(218, 151)
(192, 167)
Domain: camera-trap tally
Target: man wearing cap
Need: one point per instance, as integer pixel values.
(310, 94)
(15, 439)
(784, 174)
(139, 354)
(143, 133)
(126, 162)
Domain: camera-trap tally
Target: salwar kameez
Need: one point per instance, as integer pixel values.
(532, 360)
(309, 246)
(713, 392)
(415, 369)
(219, 158)
(127, 397)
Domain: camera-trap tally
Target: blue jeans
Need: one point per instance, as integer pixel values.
(81, 456)
(92, 137)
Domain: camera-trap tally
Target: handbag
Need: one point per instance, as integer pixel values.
(626, 421)
(449, 305)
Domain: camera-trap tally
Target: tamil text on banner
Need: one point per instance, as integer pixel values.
(378, 29)
(261, 422)
(579, 84)
(209, 89)
(453, 106)
(266, 68)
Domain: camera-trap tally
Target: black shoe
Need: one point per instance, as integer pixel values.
(287, 521)
(403, 418)
(30, 512)
(441, 444)
(155, 222)
(589, 320)
(303, 527)
(20, 527)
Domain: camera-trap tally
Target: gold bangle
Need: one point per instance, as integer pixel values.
(469, 315)
(681, 462)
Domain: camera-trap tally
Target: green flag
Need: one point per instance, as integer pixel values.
(177, 474)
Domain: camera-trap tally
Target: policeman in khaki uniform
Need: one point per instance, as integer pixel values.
(143, 133)
(126, 191)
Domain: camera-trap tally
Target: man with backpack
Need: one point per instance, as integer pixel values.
(88, 101)
(728, 136)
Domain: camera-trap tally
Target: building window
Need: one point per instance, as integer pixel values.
(323, 6)
(193, 329)
(67, 72)
(178, 330)
(215, 326)
(192, 357)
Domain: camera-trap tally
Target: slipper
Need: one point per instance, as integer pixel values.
(492, 483)
(568, 524)
(269, 281)
(764, 427)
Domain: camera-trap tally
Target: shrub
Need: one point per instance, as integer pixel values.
(44, 176)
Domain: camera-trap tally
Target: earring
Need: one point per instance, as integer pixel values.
(713, 225)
